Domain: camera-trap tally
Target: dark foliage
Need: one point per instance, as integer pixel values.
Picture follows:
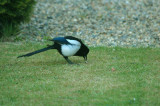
(12, 13)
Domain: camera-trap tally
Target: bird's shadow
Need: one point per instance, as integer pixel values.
(49, 62)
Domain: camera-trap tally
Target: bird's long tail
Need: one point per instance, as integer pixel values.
(37, 51)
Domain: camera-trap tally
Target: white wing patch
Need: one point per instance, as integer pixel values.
(74, 42)
(70, 50)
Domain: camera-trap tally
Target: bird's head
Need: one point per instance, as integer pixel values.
(85, 53)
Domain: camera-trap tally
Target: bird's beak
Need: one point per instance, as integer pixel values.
(85, 58)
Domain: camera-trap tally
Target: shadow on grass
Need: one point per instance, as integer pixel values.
(34, 62)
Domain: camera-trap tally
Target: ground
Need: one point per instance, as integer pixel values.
(126, 23)
(112, 76)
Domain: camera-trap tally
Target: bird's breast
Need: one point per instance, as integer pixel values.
(69, 50)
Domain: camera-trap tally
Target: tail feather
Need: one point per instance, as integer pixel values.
(35, 52)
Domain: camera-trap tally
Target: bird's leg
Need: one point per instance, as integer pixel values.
(85, 59)
(49, 45)
(69, 61)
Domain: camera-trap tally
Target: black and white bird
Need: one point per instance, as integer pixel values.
(66, 46)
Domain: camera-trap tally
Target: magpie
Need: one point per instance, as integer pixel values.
(66, 46)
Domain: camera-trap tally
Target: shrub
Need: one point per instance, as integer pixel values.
(12, 13)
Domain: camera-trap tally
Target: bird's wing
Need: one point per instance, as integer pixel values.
(60, 40)
(73, 40)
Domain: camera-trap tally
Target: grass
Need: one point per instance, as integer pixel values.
(112, 76)
(8, 30)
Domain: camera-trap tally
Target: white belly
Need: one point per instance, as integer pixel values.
(69, 50)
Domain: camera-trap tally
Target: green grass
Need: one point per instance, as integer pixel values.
(112, 76)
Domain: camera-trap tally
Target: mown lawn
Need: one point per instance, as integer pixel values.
(112, 76)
